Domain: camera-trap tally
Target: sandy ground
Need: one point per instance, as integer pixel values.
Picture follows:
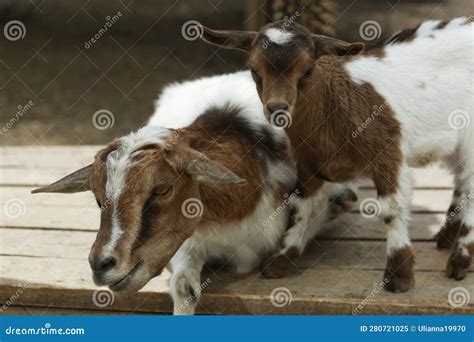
(122, 73)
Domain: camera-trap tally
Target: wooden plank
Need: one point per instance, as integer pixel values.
(47, 157)
(353, 226)
(355, 254)
(319, 291)
(80, 210)
(349, 226)
(17, 310)
(36, 165)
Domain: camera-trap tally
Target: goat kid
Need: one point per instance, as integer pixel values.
(207, 179)
(418, 92)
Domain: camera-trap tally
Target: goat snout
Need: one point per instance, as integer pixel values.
(275, 106)
(103, 264)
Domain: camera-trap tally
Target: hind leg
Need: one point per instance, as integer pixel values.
(447, 236)
(463, 249)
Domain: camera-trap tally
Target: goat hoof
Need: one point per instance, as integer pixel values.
(399, 284)
(275, 267)
(458, 265)
(398, 275)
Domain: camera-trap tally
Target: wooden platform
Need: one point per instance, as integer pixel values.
(44, 248)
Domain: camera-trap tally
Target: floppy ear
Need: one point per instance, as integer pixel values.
(196, 165)
(331, 46)
(75, 182)
(240, 40)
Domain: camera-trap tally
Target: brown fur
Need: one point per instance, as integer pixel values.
(323, 127)
(306, 78)
(277, 265)
(399, 271)
(447, 236)
(159, 182)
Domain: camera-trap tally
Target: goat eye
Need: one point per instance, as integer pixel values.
(161, 193)
(308, 72)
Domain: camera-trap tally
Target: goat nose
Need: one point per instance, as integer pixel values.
(277, 106)
(103, 264)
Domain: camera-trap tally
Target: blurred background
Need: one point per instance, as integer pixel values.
(63, 61)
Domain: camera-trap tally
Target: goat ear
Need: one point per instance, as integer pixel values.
(331, 46)
(75, 182)
(240, 40)
(196, 165)
(202, 168)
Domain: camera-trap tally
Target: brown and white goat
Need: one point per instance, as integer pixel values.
(357, 114)
(207, 179)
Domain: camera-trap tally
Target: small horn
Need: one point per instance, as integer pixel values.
(75, 182)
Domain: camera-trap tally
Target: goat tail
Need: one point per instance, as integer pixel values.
(317, 15)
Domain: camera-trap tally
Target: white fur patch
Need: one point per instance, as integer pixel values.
(278, 36)
(115, 235)
(425, 81)
(118, 163)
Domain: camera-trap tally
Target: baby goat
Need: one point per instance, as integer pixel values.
(374, 114)
(207, 179)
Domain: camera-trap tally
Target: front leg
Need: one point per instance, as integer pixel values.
(394, 196)
(308, 215)
(185, 282)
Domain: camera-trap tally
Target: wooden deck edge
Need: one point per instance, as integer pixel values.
(225, 304)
